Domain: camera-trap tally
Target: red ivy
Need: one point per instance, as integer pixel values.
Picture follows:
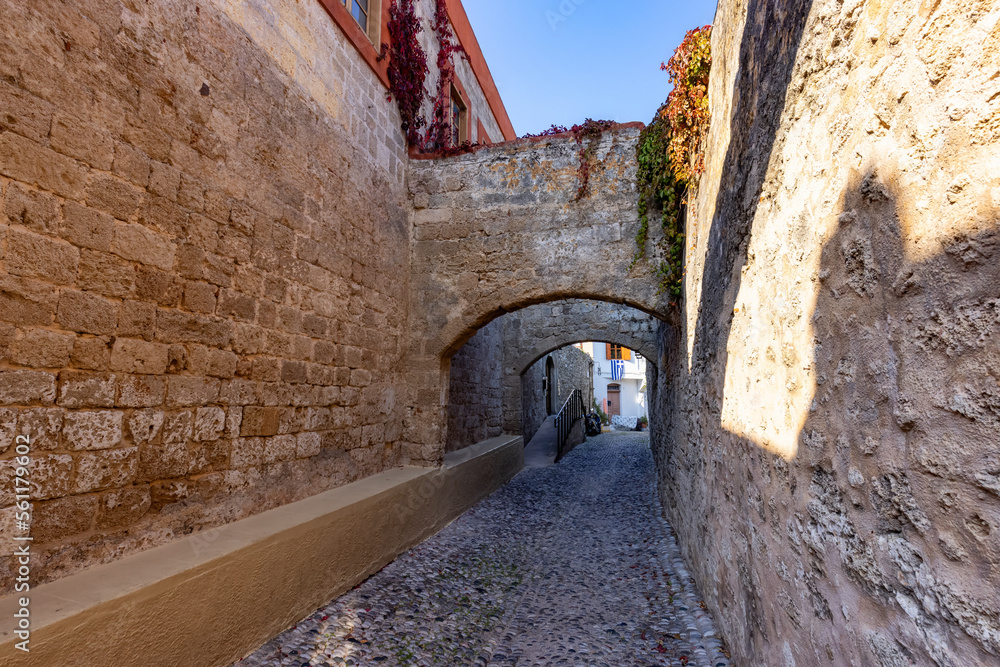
(407, 67)
(408, 73)
(686, 109)
(591, 130)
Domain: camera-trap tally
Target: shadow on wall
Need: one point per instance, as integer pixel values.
(877, 533)
(867, 544)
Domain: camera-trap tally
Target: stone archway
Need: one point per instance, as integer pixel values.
(505, 228)
(538, 330)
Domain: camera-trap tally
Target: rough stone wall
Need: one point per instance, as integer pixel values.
(535, 331)
(829, 407)
(531, 408)
(476, 389)
(574, 369)
(188, 330)
(501, 229)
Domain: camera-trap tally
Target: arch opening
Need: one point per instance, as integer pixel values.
(512, 373)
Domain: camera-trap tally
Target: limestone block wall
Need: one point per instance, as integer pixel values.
(192, 326)
(574, 369)
(532, 410)
(828, 406)
(476, 389)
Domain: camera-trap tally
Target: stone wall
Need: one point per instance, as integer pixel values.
(476, 389)
(188, 330)
(574, 369)
(531, 409)
(829, 404)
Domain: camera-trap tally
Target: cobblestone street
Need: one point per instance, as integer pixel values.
(566, 565)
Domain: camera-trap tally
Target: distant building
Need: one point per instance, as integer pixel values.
(619, 379)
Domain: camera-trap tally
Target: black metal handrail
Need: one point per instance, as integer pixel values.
(570, 413)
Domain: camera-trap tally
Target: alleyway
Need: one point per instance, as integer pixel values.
(566, 565)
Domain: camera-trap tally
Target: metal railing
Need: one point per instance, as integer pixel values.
(570, 413)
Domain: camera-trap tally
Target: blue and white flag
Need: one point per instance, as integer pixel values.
(617, 369)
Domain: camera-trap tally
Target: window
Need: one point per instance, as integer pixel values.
(459, 119)
(618, 352)
(366, 13)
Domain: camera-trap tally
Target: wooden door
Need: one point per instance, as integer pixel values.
(614, 401)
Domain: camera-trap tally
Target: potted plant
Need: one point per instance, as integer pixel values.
(642, 423)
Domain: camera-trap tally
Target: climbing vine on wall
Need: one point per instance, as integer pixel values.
(671, 156)
(408, 72)
(589, 131)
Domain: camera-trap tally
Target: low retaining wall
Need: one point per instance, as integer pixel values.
(212, 598)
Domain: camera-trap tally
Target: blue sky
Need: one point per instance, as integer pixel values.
(561, 61)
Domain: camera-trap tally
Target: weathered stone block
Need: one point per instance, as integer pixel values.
(164, 461)
(137, 319)
(86, 313)
(35, 256)
(114, 196)
(137, 243)
(131, 164)
(308, 444)
(51, 476)
(208, 457)
(200, 297)
(280, 448)
(141, 391)
(260, 421)
(27, 387)
(209, 424)
(26, 161)
(41, 348)
(236, 306)
(177, 427)
(38, 211)
(138, 356)
(122, 507)
(26, 115)
(247, 453)
(106, 274)
(80, 139)
(160, 287)
(81, 389)
(96, 471)
(144, 425)
(92, 429)
(186, 390)
(42, 425)
(62, 517)
(87, 227)
(168, 492)
(178, 327)
(91, 353)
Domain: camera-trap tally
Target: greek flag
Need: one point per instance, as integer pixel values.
(617, 369)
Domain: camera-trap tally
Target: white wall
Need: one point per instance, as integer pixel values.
(633, 402)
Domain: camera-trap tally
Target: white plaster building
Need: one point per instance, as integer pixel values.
(624, 396)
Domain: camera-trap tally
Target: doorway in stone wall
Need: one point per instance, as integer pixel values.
(614, 400)
(551, 393)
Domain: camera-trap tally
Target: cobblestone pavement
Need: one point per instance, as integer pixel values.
(566, 565)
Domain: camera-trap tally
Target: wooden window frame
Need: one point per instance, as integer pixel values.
(459, 95)
(612, 352)
(364, 42)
